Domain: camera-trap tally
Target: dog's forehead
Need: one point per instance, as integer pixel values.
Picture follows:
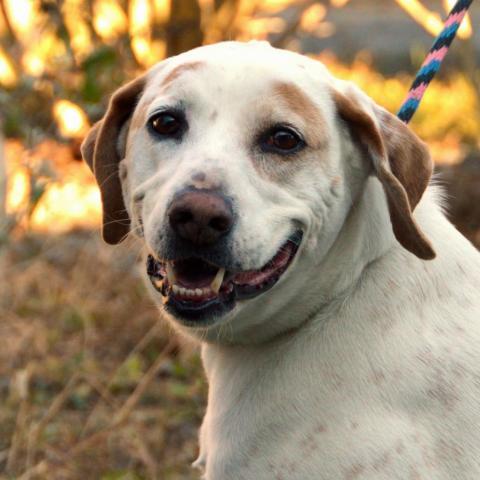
(233, 68)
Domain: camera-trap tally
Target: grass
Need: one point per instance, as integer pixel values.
(92, 383)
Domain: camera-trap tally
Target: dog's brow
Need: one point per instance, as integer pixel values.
(139, 115)
(298, 102)
(179, 70)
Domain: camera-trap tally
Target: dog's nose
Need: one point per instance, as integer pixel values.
(200, 217)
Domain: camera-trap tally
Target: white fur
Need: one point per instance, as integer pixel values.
(363, 361)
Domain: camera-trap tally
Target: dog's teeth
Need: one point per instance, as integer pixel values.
(182, 290)
(206, 291)
(170, 273)
(198, 292)
(217, 281)
(175, 288)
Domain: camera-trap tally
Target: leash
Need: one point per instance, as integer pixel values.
(434, 59)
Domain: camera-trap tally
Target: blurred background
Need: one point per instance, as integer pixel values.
(92, 384)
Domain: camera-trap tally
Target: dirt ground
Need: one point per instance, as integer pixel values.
(92, 384)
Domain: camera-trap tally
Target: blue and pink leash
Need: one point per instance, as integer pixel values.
(434, 59)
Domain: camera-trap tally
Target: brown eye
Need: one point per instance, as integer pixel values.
(166, 123)
(282, 140)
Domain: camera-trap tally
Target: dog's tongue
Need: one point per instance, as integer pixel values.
(255, 277)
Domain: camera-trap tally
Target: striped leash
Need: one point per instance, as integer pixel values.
(434, 59)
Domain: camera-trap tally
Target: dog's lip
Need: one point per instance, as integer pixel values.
(195, 300)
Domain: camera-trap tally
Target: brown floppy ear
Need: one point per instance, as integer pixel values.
(100, 151)
(401, 161)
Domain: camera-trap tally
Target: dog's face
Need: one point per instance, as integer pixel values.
(237, 164)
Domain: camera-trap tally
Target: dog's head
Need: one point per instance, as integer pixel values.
(238, 165)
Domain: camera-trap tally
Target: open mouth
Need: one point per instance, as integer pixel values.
(196, 290)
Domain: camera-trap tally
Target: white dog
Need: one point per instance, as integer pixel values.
(340, 332)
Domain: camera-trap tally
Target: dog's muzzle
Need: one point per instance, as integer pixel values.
(197, 291)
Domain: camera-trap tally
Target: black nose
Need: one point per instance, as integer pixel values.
(200, 217)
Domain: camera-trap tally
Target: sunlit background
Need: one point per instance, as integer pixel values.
(59, 60)
(82, 339)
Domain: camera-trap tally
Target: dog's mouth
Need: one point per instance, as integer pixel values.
(198, 291)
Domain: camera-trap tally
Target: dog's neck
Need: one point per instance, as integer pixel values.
(322, 285)
(365, 236)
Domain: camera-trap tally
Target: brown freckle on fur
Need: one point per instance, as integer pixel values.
(337, 180)
(199, 177)
(179, 70)
(334, 185)
(213, 115)
(400, 447)
(382, 462)
(353, 425)
(354, 472)
(291, 467)
(449, 449)
(459, 329)
(320, 428)
(377, 377)
(392, 285)
(309, 445)
(298, 102)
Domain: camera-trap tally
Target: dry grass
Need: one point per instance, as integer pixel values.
(92, 384)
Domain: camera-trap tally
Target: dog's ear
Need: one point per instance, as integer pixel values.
(400, 160)
(102, 152)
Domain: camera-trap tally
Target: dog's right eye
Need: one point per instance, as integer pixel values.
(167, 124)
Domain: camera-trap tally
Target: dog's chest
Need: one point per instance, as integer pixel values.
(305, 412)
(273, 418)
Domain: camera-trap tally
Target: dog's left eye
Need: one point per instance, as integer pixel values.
(282, 140)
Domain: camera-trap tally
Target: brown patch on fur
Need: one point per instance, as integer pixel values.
(180, 70)
(138, 119)
(393, 145)
(299, 103)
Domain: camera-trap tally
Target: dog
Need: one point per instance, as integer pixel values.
(291, 229)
